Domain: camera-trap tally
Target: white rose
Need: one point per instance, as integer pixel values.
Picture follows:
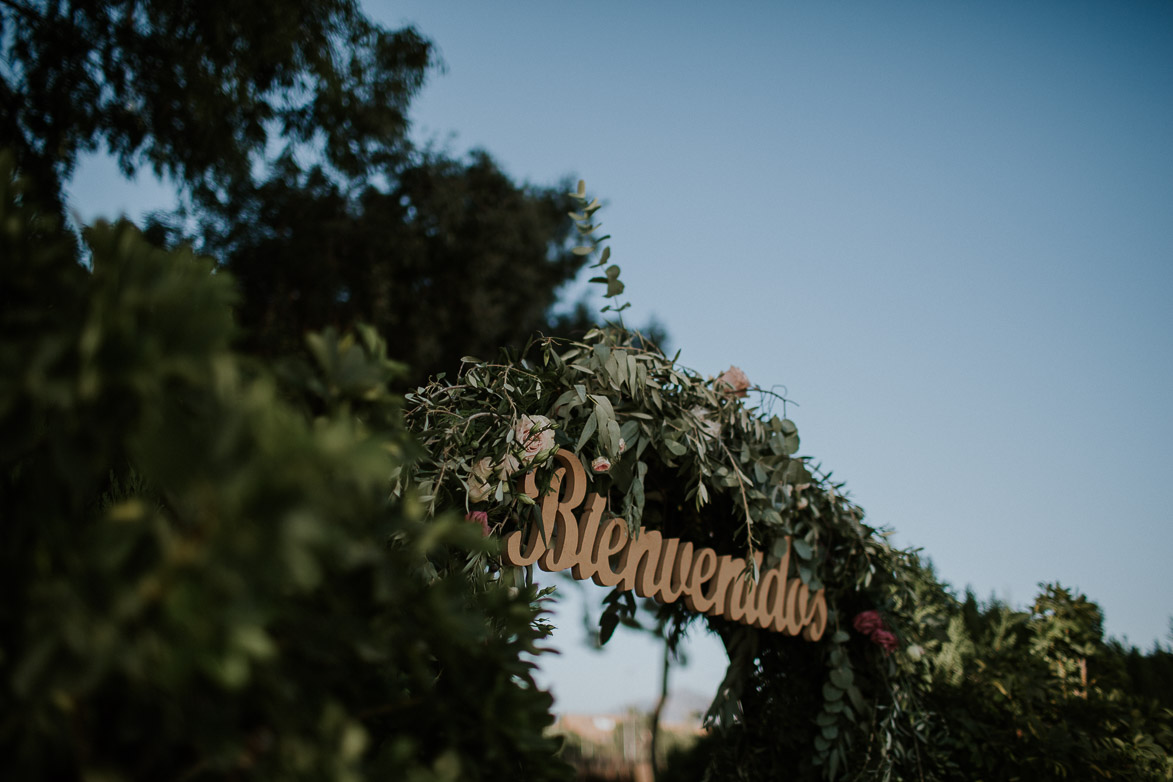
(507, 466)
(535, 437)
(478, 480)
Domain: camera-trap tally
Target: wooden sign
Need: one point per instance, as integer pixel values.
(667, 569)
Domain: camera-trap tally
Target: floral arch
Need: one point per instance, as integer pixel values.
(604, 457)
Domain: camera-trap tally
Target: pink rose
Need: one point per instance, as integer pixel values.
(479, 517)
(868, 622)
(886, 640)
(478, 480)
(733, 381)
(601, 464)
(535, 436)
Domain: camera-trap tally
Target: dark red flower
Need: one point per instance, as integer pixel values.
(886, 640)
(868, 622)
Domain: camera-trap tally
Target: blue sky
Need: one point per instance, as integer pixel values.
(946, 228)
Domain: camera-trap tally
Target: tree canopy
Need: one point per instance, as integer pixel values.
(287, 133)
(201, 91)
(453, 259)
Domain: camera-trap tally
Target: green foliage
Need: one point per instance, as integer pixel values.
(1148, 676)
(1030, 694)
(203, 577)
(589, 244)
(993, 699)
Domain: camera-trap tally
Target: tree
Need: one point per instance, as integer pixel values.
(202, 575)
(453, 259)
(1034, 694)
(287, 134)
(198, 91)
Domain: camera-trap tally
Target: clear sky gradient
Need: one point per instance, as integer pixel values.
(945, 228)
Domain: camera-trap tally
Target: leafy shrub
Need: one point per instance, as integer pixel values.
(203, 576)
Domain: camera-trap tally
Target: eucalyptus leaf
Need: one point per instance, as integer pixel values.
(628, 432)
(588, 430)
(841, 678)
(856, 699)
(612, 442)
(607, 624)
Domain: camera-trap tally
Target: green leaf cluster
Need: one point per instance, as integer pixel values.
(589, 244)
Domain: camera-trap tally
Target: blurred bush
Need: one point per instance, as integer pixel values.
(202, 576)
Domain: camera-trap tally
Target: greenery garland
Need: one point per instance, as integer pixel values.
(690, 457)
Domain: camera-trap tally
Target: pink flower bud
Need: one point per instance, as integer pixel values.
(479, 517)
(732, 381)
(478, 480)
(601, 464)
